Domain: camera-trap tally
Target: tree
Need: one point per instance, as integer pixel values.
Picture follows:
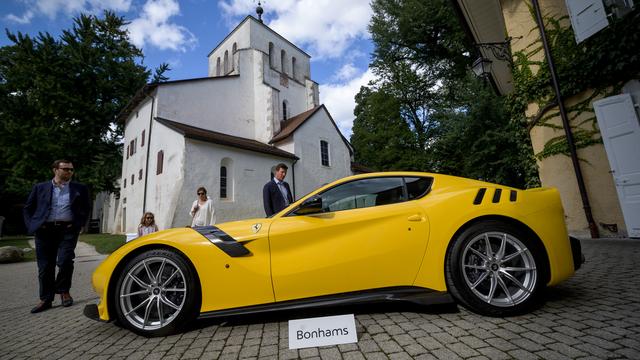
(457, 124)
(59, 99)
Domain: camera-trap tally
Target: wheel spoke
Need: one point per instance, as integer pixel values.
(138, 281)
(505, 288)
(139, 306)
(488, 246)
(170, 278)
(135, 293)
(169, 303)
(160, 314)
(515, 281)
(515, 254)
(176, 289)
(483, 256)
(146, 268)
(492, 290)
(159, 276)
(147, 311)
(519, 268)
(481, 279)
(503, 245)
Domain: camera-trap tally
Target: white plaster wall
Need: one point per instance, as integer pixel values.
(240, 36)
(131, 196)
(163, 189)
(309, 171)
(246, 177)
(217, 104)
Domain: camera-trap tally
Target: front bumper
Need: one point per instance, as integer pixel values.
(576, 251)
(91, 311)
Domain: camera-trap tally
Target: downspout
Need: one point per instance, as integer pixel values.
(567, 127)
(146, 172)
(293, 177)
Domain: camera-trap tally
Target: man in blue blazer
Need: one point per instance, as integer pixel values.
(276, 194)
(55, 212)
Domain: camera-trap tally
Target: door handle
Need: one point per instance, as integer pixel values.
(416, 217)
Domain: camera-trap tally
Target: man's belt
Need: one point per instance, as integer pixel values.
(57, 223)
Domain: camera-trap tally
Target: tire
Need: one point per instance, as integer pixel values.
(509, 279)
(157, 293)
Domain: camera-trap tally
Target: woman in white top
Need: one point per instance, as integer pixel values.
(147, 224)
(202, 211)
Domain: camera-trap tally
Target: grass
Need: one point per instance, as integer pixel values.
(104, 243)
(20, 242)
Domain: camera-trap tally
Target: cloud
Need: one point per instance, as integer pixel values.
(153, 27)
(340, 99)
(51, 8)
(24, 19)
(327, 27)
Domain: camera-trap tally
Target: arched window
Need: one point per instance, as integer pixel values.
(226, 62)
(283, 61)
(284, 110)
(271, 55)
(226, 179)
(223, 182)
(234, 49)
(218, 67)
(293, 67)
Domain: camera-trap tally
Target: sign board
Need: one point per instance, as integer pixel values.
(322, 331)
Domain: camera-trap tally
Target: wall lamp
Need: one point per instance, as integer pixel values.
(500, 51)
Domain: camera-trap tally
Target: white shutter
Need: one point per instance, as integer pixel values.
(587, 17)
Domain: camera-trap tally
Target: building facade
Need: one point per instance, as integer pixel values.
(256, 108)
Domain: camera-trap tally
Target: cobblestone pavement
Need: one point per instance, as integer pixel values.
(595, 314)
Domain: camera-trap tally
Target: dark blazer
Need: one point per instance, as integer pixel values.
(272, 197)
(38, 205)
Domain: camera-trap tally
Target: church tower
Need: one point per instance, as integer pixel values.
(275, 75)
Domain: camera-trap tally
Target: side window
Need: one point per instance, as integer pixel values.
(364, 193)
(417, 187)
(223, 182)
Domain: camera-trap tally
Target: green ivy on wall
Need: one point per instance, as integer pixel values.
(602, 64)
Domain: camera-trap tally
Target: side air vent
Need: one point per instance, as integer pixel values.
(496, 196)
(479, 196)
(513, 196)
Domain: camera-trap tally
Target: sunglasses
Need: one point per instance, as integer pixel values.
(66, 169)
(149, 217)
(201, 193)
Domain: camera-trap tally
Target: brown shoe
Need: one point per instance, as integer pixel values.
(42, 306)
(67, 300)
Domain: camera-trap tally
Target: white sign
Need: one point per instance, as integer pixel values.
(322, 331)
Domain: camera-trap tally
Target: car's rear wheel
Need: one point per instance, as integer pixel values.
(496, 269)
(156, 293)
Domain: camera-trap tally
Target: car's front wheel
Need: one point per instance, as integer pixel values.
(496, 269)
(156, 293)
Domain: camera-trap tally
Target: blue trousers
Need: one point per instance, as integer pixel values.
(55, 246)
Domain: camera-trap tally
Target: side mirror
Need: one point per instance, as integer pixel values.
(312, 205)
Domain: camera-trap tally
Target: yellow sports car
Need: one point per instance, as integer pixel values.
(418, 237)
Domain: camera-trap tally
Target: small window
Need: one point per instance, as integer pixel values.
(142, 138)
(140, 174)
(218, 67)
(226, 62)
(124, 183)
(283, 61)
(271, 55)
(127, 151)
(132, 178)
(223, 182)
(234, 49)
(293, 67)
(324, 153)
(364, 193)
(284, 110)
(417, 187)
(159, 161)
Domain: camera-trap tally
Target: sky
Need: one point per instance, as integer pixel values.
(182, 33)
